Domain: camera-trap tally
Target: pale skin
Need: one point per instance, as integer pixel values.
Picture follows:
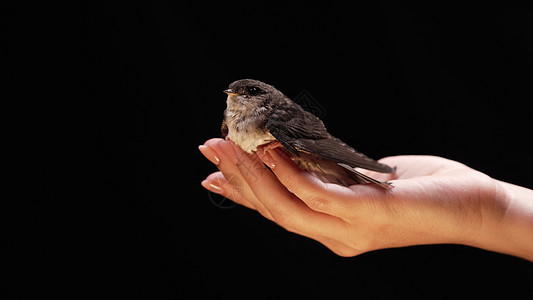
(434, 201)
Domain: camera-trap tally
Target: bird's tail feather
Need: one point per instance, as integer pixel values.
(332, 172)
(362, 178)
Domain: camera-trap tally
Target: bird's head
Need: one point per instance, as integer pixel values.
(250, 92)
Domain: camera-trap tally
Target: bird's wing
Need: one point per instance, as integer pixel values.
(301, 131)
(291, 123)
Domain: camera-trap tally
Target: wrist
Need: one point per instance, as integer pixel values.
(507, 221)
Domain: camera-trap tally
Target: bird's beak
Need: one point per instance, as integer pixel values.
(231, 92)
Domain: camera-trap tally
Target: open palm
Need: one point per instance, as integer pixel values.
(435, 200)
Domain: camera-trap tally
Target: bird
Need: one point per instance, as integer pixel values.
(259, 116)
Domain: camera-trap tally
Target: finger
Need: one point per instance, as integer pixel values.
(335, 245)
(209, 154)
(216, 183)
(317, 195)
(227, 165)
(286, 209)
(328, 198)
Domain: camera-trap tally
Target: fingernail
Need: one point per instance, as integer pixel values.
(212, 186)
(209, 153)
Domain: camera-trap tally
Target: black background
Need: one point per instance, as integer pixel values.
(108, 103)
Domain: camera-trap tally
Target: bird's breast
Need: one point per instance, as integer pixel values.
(247, 129)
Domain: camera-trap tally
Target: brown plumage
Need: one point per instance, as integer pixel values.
(258, 114)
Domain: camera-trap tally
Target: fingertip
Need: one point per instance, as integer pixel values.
(212, 186)
(267, 159)
(209, 153)
(217, 183)
(212, 141)
(282, 162)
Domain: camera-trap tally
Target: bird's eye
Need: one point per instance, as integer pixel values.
(254, 91)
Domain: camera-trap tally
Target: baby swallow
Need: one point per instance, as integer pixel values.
(258, 115)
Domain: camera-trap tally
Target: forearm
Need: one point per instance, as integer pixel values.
(512, 231)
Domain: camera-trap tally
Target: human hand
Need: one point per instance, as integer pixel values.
(435, 200)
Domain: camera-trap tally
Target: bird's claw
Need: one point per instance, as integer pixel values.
(270, 146)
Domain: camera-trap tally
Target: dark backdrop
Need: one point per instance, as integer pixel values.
(110, 101)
